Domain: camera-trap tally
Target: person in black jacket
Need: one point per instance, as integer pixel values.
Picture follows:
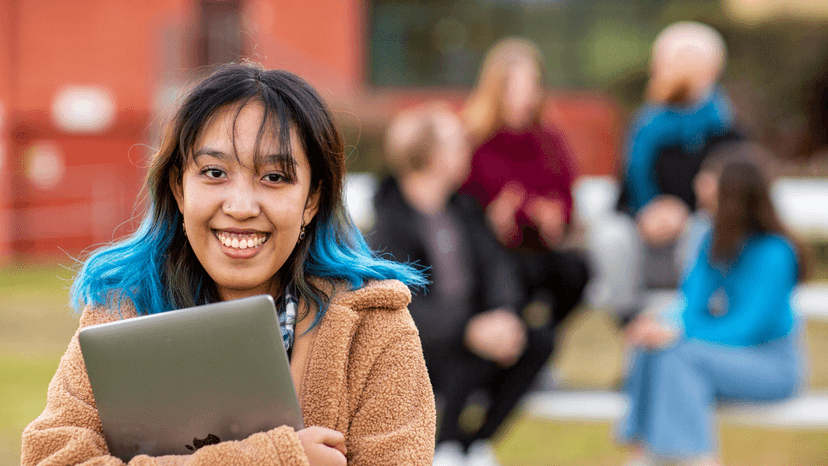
(472, 334)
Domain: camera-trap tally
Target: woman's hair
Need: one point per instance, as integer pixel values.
(412, 135)
(687, 58)
(744, 206)
(482, 113)
(156, 268)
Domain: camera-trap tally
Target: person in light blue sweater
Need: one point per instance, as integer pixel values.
(730, 334)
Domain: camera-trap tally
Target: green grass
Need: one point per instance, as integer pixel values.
(23, 391)
(27, 278)
(36, 325)
(536, 442)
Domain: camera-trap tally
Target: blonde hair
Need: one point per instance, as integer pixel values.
(482, 113)
(687, 59)
(411, 136)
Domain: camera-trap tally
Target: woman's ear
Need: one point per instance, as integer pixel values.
(177, 189)
(312, 204)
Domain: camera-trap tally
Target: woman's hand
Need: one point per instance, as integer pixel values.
(645, 332)
(323, 446)
(548, 215)
(497, 335)
(662, 220)
(502, 212)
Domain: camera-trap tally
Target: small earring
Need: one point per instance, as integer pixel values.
(184, 227)
(301, 233)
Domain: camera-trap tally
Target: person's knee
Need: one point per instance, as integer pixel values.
(685, 355)
(789, 388)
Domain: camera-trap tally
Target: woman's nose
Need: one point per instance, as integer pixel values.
(241, 203)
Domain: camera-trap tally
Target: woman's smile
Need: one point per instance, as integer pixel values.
(240, 244)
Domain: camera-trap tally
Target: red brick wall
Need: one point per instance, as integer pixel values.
(131, 49)
(6, 91)
(321, 40)
(50, 44)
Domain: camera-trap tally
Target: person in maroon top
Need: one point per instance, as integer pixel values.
(522, 175)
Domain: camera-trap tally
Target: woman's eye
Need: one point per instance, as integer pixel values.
(213, 173)
(275, 178)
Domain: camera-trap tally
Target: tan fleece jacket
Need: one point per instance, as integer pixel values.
(360, 371)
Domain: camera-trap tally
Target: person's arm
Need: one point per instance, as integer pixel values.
(498, 276)
(694, 292)
(481, 185)
(641, 152)
(663, 326)
(394, 420)
(69, 431)
(562, 174)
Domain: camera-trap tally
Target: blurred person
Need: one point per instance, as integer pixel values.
(730, 334)
(522, 175)
(649, 242)
(246, 199)
(473, 337)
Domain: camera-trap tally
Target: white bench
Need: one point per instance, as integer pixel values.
(358, 195)
(802, 203)
(807, 411)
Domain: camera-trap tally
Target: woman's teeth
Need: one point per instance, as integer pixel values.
(241, 241)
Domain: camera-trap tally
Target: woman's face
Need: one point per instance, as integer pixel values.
(452, 157)
(243, 223)
(706, 187)
(522, 94)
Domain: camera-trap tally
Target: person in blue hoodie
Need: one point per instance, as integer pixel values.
(646, 243)
(730, 334)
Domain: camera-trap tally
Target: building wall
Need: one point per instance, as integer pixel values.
(6, 33)
(64, 189)
(321, 40)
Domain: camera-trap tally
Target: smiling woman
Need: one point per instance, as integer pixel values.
(246, 199)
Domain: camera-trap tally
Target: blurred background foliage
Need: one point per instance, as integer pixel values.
(775, 73)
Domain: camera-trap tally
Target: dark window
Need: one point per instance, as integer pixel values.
(586, 43)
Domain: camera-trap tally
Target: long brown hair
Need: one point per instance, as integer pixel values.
(744, 207)
(482, 113)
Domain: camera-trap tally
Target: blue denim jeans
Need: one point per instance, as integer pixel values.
(673, 392)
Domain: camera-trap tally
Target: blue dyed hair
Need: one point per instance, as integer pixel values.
(155, 267)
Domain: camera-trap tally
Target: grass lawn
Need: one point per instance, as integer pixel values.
(534, 442)
(23, 391)
(36, 326)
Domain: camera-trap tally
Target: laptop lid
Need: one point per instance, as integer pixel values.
(168, 383)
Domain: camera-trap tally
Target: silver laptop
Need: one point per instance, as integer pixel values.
(170, 383)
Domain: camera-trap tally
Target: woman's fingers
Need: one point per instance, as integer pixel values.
(334, 439)
(323, 446)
